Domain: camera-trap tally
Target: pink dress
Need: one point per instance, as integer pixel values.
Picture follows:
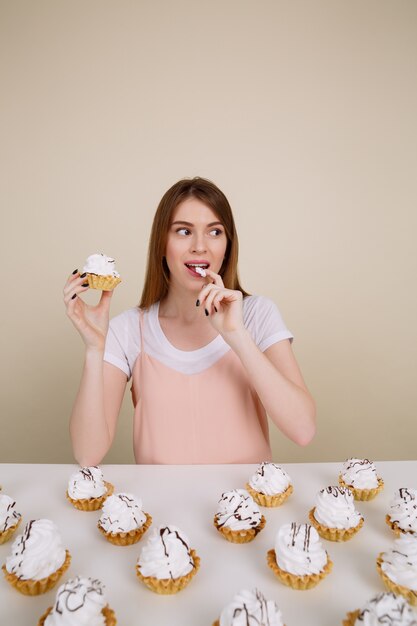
(214, 416)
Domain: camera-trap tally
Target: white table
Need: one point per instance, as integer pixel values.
(186, 496)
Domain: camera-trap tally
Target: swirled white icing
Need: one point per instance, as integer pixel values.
(400, 562)
(122, 512)
(166, 554)
(100, 264)
(37, 552)
(360, 473)
(79, 602)
(237, 510)
(403, 509)
(335, 508)
(87, 483)
(270, 479)
(250, 608)
(386, 608)
(8, 515)
(298, 549)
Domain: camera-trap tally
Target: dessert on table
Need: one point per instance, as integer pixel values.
(166, 563)
(250, 608)
(101, 272)
(238, 517)
(402, 516)
(360, 476)
(299, 559)
(122, 521)
(270, 485)
(79, 602)
(334, 516)
(9, 518)
(398, 567)
(384, 608)
(87, 489)
(38, 558)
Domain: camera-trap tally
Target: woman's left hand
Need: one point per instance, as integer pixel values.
(223, 306)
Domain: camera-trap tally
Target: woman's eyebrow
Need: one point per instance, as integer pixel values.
(190, 224)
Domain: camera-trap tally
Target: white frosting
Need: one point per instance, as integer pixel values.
(400, 562)
(37, 552)
(298, 549)
(403, 509)
(122, 512)
(100, 264)
(237, 510)
(200, 271)
(8, 516)
(360, 473)
(78, 602)
(166, 554)
(87, 483)
(386, 608)
(250, 608)
(335, 508)
(270, 479)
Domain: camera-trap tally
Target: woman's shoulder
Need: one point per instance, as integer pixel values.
(257, 305)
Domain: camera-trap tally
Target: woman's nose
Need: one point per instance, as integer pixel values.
(197, 244)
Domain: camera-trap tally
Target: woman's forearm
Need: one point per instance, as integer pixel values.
(289, 405)
(89, 430)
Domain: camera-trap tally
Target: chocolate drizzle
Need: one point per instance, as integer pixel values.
(73, 595)
(164, 533)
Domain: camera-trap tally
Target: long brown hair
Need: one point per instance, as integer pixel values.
(157, 273)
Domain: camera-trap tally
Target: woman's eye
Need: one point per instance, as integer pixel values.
(183, 231)
(216, 232)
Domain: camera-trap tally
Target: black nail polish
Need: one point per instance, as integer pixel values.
(206, 312)
(83, 275)
(214, 308)
(75, 271)
(74, 296)
(84, 285)
(197, 303)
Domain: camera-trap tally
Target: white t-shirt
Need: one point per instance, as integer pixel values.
(260, 317)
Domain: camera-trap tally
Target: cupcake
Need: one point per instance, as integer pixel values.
(385, 608)
(359, 475)
(250, 607)
(79, 602)
(38, 558)
(9, 518)
(270, 485)
(334, 516)
(299, 559)
(87, 490)
(398, 567)
(122, 521)
(101, 273)
(166, 563)
(238, 517)
(402, 516)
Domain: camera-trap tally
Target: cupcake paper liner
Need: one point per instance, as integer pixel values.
(127, 538)
(351, 618)
(264, 500)
(396, 528)
(334, 534)
(240, 536)
(167, 586)
(409, 594)
(292, 580)
(37, 587)
(107, 612)
(105, 283)
(363, 494)
(91, 504)
(6, 534)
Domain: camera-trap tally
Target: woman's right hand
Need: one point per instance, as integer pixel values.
(92, 322)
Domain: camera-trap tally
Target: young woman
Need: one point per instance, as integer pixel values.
(207, 361)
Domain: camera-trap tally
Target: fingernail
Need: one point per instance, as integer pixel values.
(83, 275)
(206, 312)
(84, 285)
(74, 296)
(214, 308)
(197, 303)
(75, 271)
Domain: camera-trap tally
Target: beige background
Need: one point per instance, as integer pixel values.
(303, 112)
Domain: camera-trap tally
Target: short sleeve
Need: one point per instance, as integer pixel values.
(264, 321)
(123, 341)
